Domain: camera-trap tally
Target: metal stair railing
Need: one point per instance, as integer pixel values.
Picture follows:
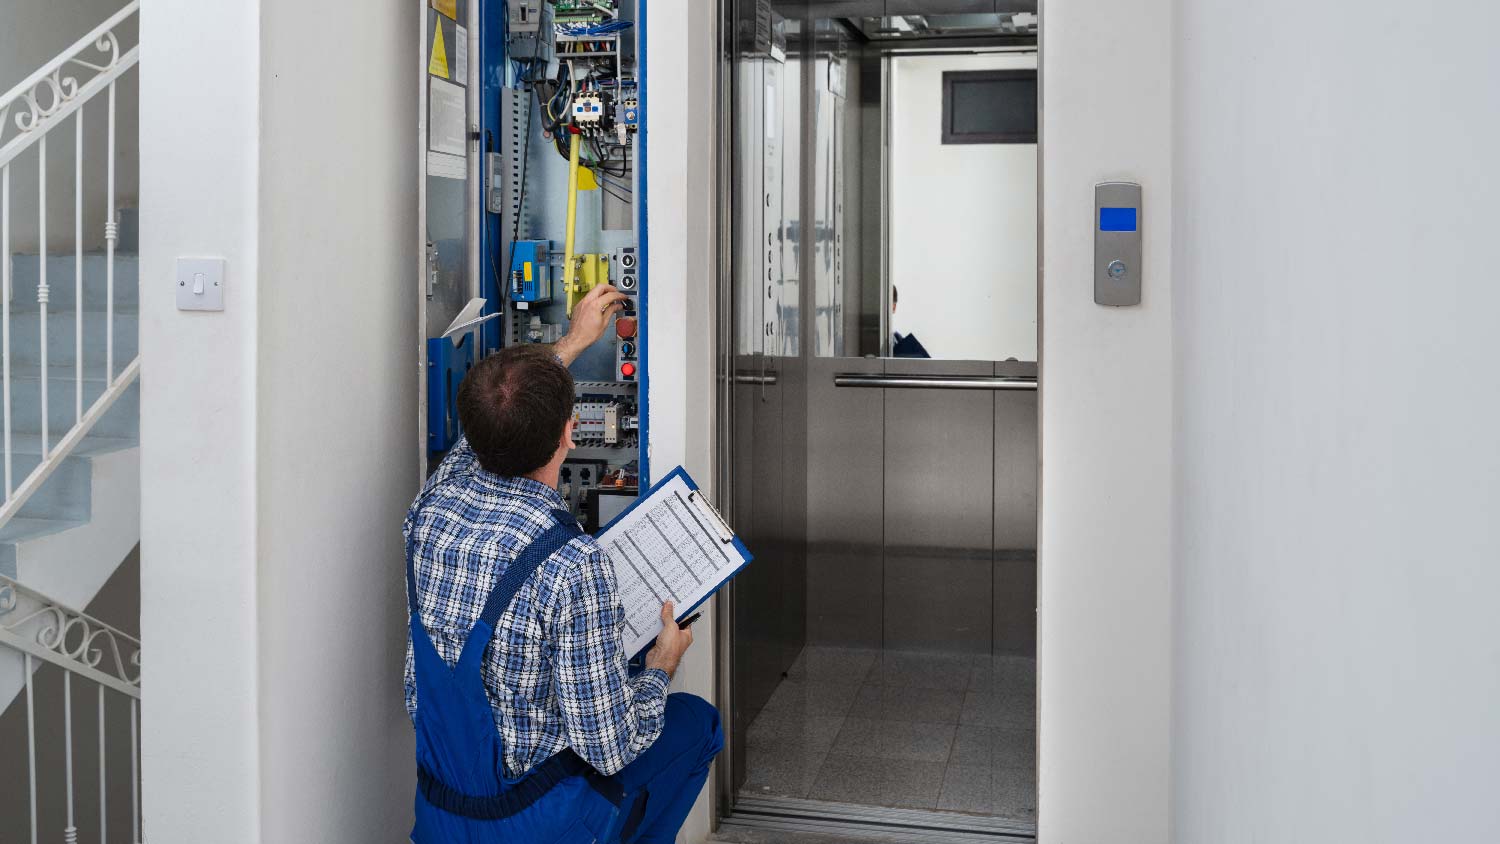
(42, 102)
(43, 630)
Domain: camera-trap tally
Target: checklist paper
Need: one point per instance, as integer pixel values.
(670, 545)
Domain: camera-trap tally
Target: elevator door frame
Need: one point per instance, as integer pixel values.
(728, 377)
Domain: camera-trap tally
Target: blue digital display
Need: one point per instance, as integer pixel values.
(1117, 220)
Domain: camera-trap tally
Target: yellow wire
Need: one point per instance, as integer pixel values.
(570, 267)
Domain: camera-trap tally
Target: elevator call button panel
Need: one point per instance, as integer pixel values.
(1117, 243)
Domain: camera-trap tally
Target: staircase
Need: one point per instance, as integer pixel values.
(69, 459)
(72, 533)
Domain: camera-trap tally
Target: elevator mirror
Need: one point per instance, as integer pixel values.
(925, 188)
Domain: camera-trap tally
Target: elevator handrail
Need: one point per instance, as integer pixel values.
(937, 382)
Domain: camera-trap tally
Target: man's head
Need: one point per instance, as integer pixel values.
(516, 407)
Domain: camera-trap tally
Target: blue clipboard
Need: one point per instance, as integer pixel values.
(726, 535)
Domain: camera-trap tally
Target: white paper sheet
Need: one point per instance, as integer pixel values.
(446, 106)
(460, 55)
(670, 546)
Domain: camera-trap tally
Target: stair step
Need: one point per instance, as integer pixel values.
(62, 281)
(93, 445)
(67, 492)
(62, 324)
(122, 420)
(22, 529)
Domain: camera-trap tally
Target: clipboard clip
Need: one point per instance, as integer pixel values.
(726, 534)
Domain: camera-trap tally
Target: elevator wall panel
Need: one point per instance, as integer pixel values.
(845, 506)
(939, 512)
(1015, 517)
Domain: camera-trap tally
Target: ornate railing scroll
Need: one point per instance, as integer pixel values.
(34, 624)
(43, 99)
(43, 630)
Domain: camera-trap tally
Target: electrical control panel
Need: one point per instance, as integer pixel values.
(548, 207)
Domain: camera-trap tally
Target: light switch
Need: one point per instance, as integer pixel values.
(200, 284)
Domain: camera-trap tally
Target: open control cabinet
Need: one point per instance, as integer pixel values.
(533, 193)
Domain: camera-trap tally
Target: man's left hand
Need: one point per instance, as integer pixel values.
(591, 318)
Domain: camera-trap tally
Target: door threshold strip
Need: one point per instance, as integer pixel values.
(876, 823)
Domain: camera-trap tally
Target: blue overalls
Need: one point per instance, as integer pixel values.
(463, 795)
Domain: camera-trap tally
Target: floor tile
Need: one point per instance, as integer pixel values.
(1014, 749)
(895, 740)
(1015, 708)
(781, 769)
(815, 731)
(973, 746)
(813, 698)
(915, 741)
(823, 663)
(912, 785)
(1015, 793)
(925, 671)
(849, 779)
(879, 782)
(990, 673)
(967, 789)
(905, 703)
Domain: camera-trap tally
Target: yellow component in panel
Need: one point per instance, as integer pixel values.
(438, 66)
(587, 180)
(591, 271)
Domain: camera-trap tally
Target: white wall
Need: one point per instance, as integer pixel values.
(336, 387)
(33, 33)
(1106, 426)
(680, 324)
(963, 223)
(199, 623)
(276, 459)
(1337, 640)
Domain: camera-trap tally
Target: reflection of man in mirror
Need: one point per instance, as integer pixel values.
(904, 345)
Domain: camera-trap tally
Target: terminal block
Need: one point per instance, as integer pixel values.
(584, 11)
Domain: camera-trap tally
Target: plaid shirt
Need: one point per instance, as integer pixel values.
(555, 671)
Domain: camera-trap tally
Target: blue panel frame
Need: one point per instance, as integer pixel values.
(643, 241)
(493, 75)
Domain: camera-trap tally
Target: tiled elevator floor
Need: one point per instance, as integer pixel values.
(918, 731)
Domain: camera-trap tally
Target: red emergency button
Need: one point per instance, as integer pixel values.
(625, 327)
(627, 369)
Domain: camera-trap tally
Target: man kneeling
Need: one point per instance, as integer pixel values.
(529, 728)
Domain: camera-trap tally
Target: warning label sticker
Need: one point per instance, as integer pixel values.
(438, 64)
(446, 7)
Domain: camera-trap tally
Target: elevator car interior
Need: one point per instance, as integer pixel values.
(877, 337)
(880, 399)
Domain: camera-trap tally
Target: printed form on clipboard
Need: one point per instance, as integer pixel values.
(670, 545)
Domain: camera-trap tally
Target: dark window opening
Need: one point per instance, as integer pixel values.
(989, 107)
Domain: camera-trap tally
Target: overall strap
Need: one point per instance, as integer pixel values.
(411, 577)
(563, 531)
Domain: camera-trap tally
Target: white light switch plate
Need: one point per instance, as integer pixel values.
(200, 284)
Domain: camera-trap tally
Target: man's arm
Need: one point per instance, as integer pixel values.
(610, 719)
(591, 318)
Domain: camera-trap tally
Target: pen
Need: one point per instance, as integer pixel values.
(688, 622)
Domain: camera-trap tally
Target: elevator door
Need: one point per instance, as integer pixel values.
(882, 645)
